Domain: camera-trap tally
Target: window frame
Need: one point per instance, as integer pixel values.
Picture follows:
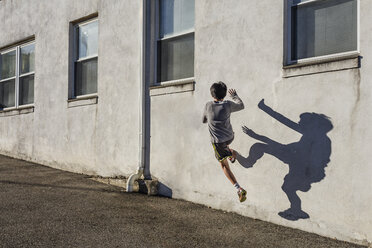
(287, 61)
(157, 44)
(18, 74)
(75, 57)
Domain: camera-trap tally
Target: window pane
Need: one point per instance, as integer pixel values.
(26, 90)
(177, 58)
(88, 39)
(324, 27)
(86, 77)
(7, 97)
(7, 64)
(176, 16)
(28, 58)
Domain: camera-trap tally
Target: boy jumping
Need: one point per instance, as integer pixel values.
(217, 114)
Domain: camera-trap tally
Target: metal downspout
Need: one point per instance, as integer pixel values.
(142, 108)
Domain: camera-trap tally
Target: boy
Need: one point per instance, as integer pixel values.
(217, 114)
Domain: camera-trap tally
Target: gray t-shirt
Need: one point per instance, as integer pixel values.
(217, 114)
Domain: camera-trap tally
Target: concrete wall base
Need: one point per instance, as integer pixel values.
(149, 187)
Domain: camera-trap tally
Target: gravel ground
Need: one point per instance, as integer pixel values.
(45, 207)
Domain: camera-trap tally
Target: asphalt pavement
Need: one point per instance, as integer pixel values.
(45, 207)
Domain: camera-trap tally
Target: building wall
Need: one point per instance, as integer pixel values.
(237, 42)
(241, 44)
(92, 139)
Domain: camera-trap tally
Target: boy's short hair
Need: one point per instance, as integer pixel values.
(218, 90)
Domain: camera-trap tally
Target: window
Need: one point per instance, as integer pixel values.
(321, 28)
(17, 74)
(174, 39)
(86, 58)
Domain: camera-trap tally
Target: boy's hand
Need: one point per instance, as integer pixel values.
(232, 92)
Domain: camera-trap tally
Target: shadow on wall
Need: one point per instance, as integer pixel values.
(164, 190)
(306, 158)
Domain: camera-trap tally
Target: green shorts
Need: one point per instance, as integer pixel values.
(221, 150)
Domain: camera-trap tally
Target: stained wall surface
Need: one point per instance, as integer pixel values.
(93, 138)
(241, 44)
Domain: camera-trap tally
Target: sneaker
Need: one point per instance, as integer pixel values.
(242, 195)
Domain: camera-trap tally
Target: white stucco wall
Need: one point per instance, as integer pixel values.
(94, 139)
(239, 42)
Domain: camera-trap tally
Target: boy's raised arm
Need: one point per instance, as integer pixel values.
(237, 103)
(279, 117)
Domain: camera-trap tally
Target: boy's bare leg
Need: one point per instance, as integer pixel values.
(233, 152)
(226, 169)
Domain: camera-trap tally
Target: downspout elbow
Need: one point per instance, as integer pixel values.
(132, 178)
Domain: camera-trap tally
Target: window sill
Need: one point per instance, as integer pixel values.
(320, 66)
(82, 100)
(172, 87)
(17, 111)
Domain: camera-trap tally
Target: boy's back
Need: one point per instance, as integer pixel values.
(217, 114)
